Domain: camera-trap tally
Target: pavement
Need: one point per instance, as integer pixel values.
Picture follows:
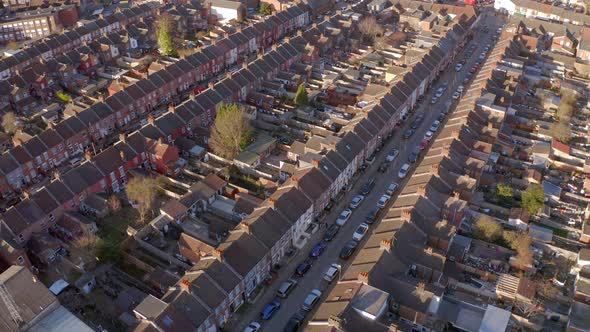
(314, 277)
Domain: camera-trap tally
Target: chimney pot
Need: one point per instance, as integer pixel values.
(455, 133)
(363, 277)
(315, 162)
(407, 215)
(151, 119)
(123, 137)
(385, 245)
(185, 284)
(211, 85)
(171, 108)
(245, 64)
(88, 155)
(434, 169)
(246, 227)
(218, 254)
(422, 191)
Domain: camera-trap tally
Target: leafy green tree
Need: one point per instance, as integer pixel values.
(301, 97)
(533, 198)
(231, 132)
(504, 192)
(265, 9)
(487, 229)
(164, 32)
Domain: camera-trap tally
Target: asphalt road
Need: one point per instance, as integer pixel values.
(314, 277)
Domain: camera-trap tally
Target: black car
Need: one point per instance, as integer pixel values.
(414, 155)
(440, 117)
(302, 268)
(331, 232)
(371, 216)
(384, 166)
(368, 186)
(294, 323)
(329, 206)
(348, 249)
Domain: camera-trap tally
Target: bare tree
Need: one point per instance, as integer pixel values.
(85, 247)
(9, 123)
(487, 229)
(142, 190)
(524, 254)
(370, 29)
(231, 132)
(561, 131)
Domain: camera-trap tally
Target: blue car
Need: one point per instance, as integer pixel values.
(304, 267)
(318, 250)
(270, 309)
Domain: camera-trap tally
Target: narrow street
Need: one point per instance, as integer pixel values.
(314, 277)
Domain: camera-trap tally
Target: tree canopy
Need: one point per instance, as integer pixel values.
(504, 191)
(9, 123)
(487, 229)
(301, 97)
(265, 9)
(231, 132)
(533, 198)
(165, 32)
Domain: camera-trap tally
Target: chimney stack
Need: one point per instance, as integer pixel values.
(88, 155)
(336, 322)
(26, 194)
(160, 141)
(446, 150)
(434, 169)
(457, 194)
(217, 254)
(246, 227)
(295, 181)
(151, 119)
(300, 33)
(211, 85)
(385, 245)
(122, 155)
(171, 108)
(245, 65)
(315, 162)
(271, 202)
(185, 285)
(422, 191)
(407, 215)
(363, 277)
(455, 133)
(123, 137)
(421, 286)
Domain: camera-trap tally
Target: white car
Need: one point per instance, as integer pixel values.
(403, 171)
(385, 198)
(344, 216)
(253, 327)
(356, 201)
(458, 67)
(456, 95)
(428, 135)
(360, 232)
(460, 88)
(391, 188)
(433, 100)
(439, 92)
(392, 155)
(434, 126)
(311, 300)
(332, 272)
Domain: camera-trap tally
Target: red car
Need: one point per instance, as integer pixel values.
(423, 145)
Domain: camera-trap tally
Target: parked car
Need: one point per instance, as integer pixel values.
(356, 201)
(384, 166)
(408, 133)
(383, 201)
(370, 160)
(444, 85)
(433, 100)
(368, 186)
(317, 250)
(456, 95)
(391, 188)
(458, 67)
(403, 171)
(414, 155)
(428, 135)
(460, 88)
(332, 272)
(331, 232)
(294, 323)
(360, 232)
(371, 216)
(270, 309)
(392, 155)
(344, 216)
(286, 287)
(423, 144)
(253, 327)
(434, 126)
(302, 268)
(311, 300)
(348, 249)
